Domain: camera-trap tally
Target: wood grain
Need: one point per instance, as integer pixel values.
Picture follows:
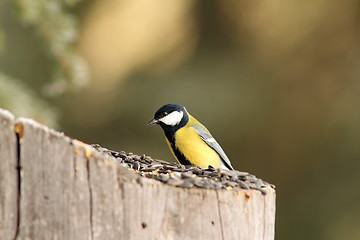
(70, 191)
(8, 177)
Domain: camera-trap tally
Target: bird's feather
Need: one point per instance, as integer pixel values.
(210, 140)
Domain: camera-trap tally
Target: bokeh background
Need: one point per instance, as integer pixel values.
(277, 82)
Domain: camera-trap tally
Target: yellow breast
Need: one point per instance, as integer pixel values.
(195, 149)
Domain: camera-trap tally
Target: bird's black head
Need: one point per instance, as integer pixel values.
(170, 117)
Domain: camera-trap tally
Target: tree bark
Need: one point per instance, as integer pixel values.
(70, 191)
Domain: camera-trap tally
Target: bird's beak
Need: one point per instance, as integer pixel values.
(152, 122)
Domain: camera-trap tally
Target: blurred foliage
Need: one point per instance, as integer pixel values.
(23, 101)
(276, 82)
(60, 31)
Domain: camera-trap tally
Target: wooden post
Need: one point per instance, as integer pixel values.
(9, 190)
(70, 191)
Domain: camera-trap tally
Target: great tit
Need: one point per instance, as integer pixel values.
(189, 141)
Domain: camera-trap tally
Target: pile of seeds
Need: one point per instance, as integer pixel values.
(186, 176)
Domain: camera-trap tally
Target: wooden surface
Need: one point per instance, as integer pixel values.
(69, 191)
(8, 177)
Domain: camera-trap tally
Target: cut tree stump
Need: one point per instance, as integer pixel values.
(9, 176)
(54, 187)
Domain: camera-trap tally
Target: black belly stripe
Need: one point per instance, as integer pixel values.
(180, 157)
(170, 133)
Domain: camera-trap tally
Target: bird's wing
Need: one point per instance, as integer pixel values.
(210, 140)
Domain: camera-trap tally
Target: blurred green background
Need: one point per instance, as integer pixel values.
(276, 82)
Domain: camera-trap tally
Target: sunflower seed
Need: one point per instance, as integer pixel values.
(174, 182)
(186, 176)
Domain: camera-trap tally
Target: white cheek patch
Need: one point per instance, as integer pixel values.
(173, 118)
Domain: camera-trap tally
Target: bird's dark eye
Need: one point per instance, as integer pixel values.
(163, 114)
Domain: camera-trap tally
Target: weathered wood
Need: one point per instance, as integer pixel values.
(8, 177)
(55, 194)
(69, 191)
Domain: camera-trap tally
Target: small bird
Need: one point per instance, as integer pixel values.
(189, 141)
